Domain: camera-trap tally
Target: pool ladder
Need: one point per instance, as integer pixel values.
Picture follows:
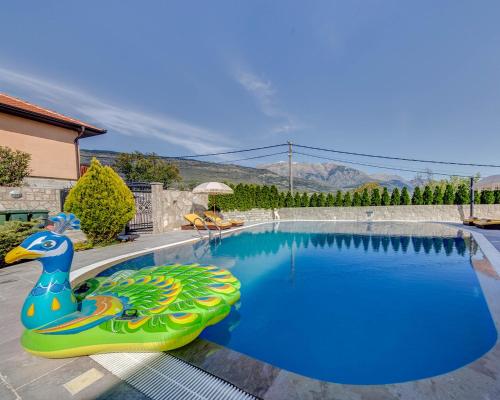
(206, 227)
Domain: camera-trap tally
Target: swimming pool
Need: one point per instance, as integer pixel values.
(348, 303)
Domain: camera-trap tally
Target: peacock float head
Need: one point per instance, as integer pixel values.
(51, 247)
(51, 298)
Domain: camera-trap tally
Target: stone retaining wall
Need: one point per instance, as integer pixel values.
(444, 213)
(169, 206)
(32, 198)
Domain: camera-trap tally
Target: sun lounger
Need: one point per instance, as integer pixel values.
(212, 216)
(197, 222)
(487, 223)
(470, 221)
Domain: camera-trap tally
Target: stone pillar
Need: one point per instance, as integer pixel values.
(157, 206)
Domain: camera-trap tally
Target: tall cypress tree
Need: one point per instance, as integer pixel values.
(386, 199)
(304, 200)
(321, 200)
(449, 194)
(487, 197)
(339, 199)
(289, 202)
(365, 198)
(462, 194)
(330, 200)
(347, 200)
(416, 199)
(282, 200)
(395, 197)
(405, 197)
(497, 196)
(437, 196)
(297, 199)
(274, 196)
(313, 200)
(356, 199)
(427, 195)
(375, 197)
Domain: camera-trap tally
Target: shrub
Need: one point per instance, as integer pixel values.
(103, 203)
(497, 196)
(313, 200)
(321, 200)
(437, 196)
(330, 200)
(405, 197)
(281, 200)
(427, 197)
(365, 198)
(487, 197)
(347, 200)
(386, 199)
(297, 199)
(462, 195)
(14, 166)
(339, 199)
(12, 233)
(149, 167)
(395, 197)
(375, 198)
(449, 194)
(289, 200)
(356, 199)
(304, 200)
(417, 197)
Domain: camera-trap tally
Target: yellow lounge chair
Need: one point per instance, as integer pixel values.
(196, 221)
(212, 216)
(470, 221)
(487, 223)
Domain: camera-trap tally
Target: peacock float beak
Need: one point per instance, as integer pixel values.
(20, 253)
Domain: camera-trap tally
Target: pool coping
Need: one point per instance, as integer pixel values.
(475, 380)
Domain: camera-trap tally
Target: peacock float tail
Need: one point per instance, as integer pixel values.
(152, 309)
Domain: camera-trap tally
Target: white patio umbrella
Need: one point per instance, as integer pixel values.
(214, 188)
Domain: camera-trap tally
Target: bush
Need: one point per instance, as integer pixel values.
(304, 200)
(449, 194)
(289, 200)
(395, 197)
(437, 196)
(386, 199)
(462, 195)
(12, 233)
(497, 196)
(14, 166)
(416, 199)
(356, 199)
(427, 197)
(487, 197)
(103, 203)
(375, 198)
(330, 200)
(365, 198)
(347, 200)
(338, 199)
(313, 200)
(405, 197)
(321, 200)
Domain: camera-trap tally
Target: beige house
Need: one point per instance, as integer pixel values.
(51, 138)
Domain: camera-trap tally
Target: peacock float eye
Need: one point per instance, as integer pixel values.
(48, 244)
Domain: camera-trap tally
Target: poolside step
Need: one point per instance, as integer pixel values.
(163, 376)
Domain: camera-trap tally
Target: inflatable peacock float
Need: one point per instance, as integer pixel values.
(151, 309)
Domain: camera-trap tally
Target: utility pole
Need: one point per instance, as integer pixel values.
(471, 197)
(290, 172)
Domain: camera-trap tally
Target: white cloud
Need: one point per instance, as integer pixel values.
(265, 95)
(114, 117)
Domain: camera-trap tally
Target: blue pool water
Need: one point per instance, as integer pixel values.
(357, 308)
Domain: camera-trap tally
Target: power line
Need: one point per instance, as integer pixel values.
(398, 158)
(253, 158)
(380, 166)
(229, 152)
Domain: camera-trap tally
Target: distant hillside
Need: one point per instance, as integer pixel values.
(194, 172)
(336, 176)
(489, 182)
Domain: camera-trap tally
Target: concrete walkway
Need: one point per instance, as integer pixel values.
(23, 376)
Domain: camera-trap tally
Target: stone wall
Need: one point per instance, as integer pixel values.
(444, 213)
(169, 206)
(31, 199)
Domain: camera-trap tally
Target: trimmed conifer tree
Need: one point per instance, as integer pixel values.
(103, 203)
(365, 198)
(416, 199)
(347, 200)
(375, 197)
(321, 200)
(339, 200)
(449, 194)
(330, 200)
(297, 199)
(487, 197)
(427, 195)
(274, 197)
(405, 197)
(395, 197)
(437, 196)
(386, 199)
(462, 194)
(304, 200)
(281, 201)
(497, 196)
(356, 199)
(289, 202)
(313, 200)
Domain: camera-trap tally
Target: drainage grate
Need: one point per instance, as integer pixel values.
(162, 376)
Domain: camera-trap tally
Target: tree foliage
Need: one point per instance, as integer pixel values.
(386, 199)
(395, 197)
(375, 200)
(103, 203)
(417, 199)
(405, 197)
(427, 196)
(149, 167)
(462, 195)
(449, 194)
(14, 166)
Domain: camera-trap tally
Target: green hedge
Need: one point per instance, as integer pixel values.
(246, 197)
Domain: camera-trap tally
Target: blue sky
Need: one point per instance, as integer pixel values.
(418, 79)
